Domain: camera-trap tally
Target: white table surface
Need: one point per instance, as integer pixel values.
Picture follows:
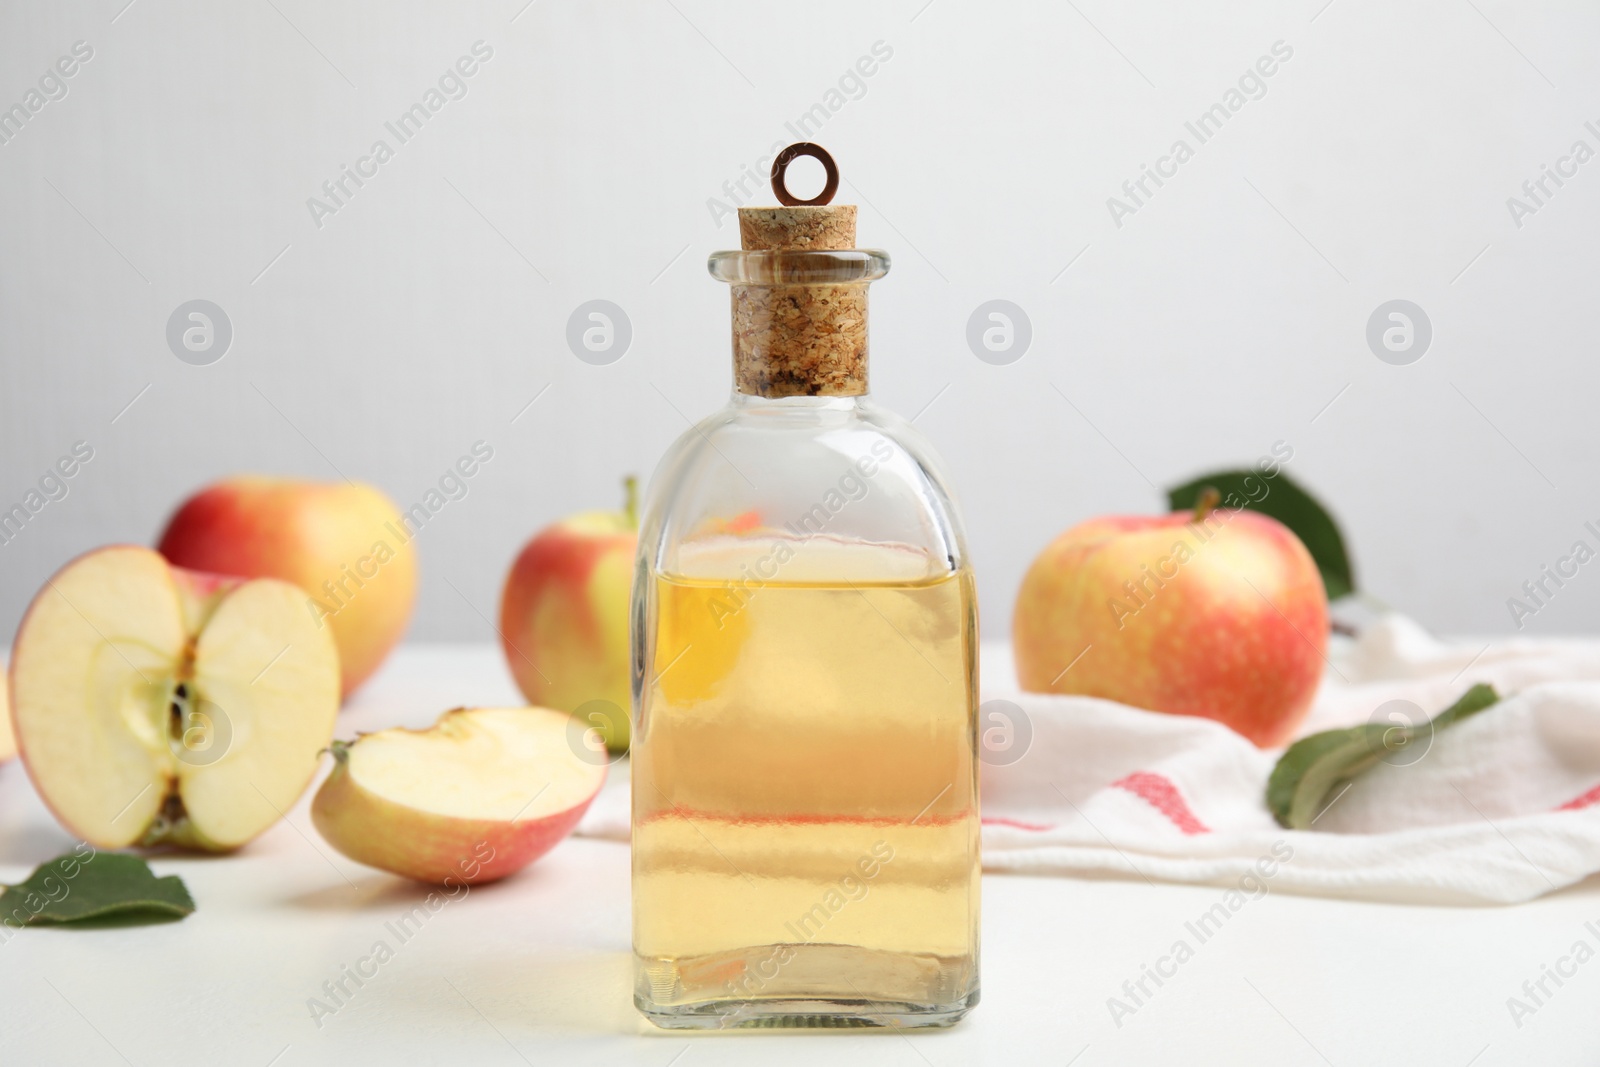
(535, 969)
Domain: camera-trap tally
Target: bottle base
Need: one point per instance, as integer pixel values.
(805, 985)
(823, 1013)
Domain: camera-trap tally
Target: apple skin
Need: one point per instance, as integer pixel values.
(343, 543)
(564, 617)
(1202, 642)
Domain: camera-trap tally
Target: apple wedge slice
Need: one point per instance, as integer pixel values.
(482, 793)
(156, 705)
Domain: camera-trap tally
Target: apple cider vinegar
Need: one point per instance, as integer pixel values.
(805, 791)
(805, 799)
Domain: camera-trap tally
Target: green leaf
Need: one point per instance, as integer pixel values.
(85, 884)
(1472, 701)
(1314, 766)
(1278, 496)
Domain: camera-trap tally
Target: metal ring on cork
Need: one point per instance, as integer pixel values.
(780, 167)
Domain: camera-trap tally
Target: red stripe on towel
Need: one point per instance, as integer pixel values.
(1161, 794)
(1038, 827)
(1579, 803)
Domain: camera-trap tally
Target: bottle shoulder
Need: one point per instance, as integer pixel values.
(837, 471)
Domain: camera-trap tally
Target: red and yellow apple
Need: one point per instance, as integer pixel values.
(154, 705)
(1216, 613)
(344, 544)
(478, 796)
(564, 617)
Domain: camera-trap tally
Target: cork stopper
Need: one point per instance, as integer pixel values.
(813, 227)
(800, 339)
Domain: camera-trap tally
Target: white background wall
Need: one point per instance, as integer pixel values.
(1227, 313)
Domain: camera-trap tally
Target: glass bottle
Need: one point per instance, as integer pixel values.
(805, 793)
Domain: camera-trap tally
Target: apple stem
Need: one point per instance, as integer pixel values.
(630, 500)
(1203, 507)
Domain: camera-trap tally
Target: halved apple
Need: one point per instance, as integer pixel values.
(481, 794)
(158, 705)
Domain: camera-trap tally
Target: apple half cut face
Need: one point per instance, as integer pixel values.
(482, 793)
(157, 705)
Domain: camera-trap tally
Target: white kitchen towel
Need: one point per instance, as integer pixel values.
(1501, 807)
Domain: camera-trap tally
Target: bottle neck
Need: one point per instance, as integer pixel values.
(800, 340)
(798, 404)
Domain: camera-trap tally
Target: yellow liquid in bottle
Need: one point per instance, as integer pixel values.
(805, 826)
